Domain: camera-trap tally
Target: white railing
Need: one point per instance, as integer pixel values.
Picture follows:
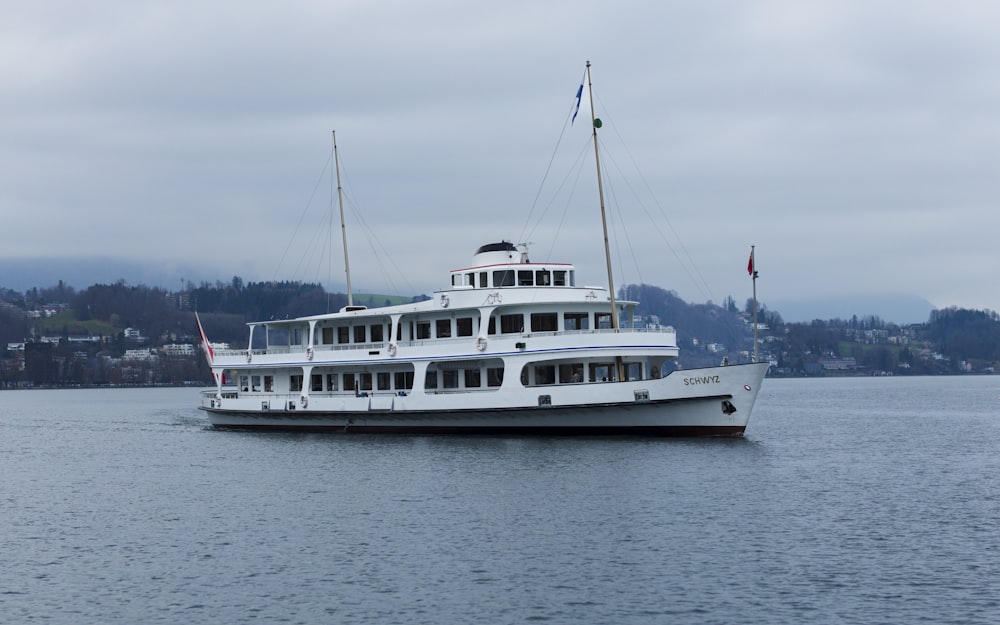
(301, 349)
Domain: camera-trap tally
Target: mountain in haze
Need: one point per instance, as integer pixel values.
(901, 309)
(23, 274)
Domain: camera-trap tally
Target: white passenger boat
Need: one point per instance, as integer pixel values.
(510, 346)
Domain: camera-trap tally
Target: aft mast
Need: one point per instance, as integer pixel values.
(343, 227)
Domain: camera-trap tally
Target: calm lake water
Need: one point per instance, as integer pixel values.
(871, 500)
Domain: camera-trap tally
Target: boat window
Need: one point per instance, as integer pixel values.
(423, 329)
(277, 336)
(343, 335)
(316, 382)
(349, 382)
(470, 279)
(268, 383)
(559, 278)
(244, 383)
(633, 371)
(383, 380)
(571, 373)
(295, 336)
(494, 376)
(492, 329)
(464, 326)
(572, 278)
(545, 374)
(543, 278)
(331, 381)
(404, 380)
(327, 338)
(504, 277)
(473, 378)
(443, 328)
(431, 379)
(601, 372)
(456, 279)
(360, 332)
(366, 381)
(510, 324)
(544, 322)
(450, 378)
(295, 382)
(483, 283)
(255, 383)
(378, 332)
(602, 321)
(524, 278)
(576, 321)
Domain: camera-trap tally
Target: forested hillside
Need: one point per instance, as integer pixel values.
(57, 335)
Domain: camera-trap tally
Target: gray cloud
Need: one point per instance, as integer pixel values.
(854, 143)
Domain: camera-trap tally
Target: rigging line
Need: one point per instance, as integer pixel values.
(569, 200)
(621, 224)
(700, 281)
(374, 243)
(379, 250)
(577, 166)
(566, 123)
(309, 250)
(305, 210)
(688, 266)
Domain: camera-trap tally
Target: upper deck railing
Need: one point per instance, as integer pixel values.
(514, 336)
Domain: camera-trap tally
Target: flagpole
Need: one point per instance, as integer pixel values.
(753, 273)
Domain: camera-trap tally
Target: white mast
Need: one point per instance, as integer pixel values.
(343, 227)
(595, 124)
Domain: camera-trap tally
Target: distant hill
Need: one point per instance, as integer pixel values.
(21, 274)
(901, 309)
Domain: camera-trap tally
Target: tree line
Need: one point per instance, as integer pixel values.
(956, 335)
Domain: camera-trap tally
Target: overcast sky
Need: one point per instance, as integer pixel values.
(856, 144)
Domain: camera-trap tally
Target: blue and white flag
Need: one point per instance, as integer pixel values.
(579, 94)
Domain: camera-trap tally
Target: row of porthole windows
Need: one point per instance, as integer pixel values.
(398, 380)
(463, 378)
(572, 373)
(531, 375)
(512, 277)
(364, 381)
(512, 323)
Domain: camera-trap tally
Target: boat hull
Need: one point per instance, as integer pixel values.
(719, 404)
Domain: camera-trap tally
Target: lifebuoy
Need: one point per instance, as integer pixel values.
(249, 355)
(309, 352)
(444, 301)
(304, 401)
(481, 343)
(392, 349)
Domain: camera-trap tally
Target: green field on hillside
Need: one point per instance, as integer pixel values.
(66, 322)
